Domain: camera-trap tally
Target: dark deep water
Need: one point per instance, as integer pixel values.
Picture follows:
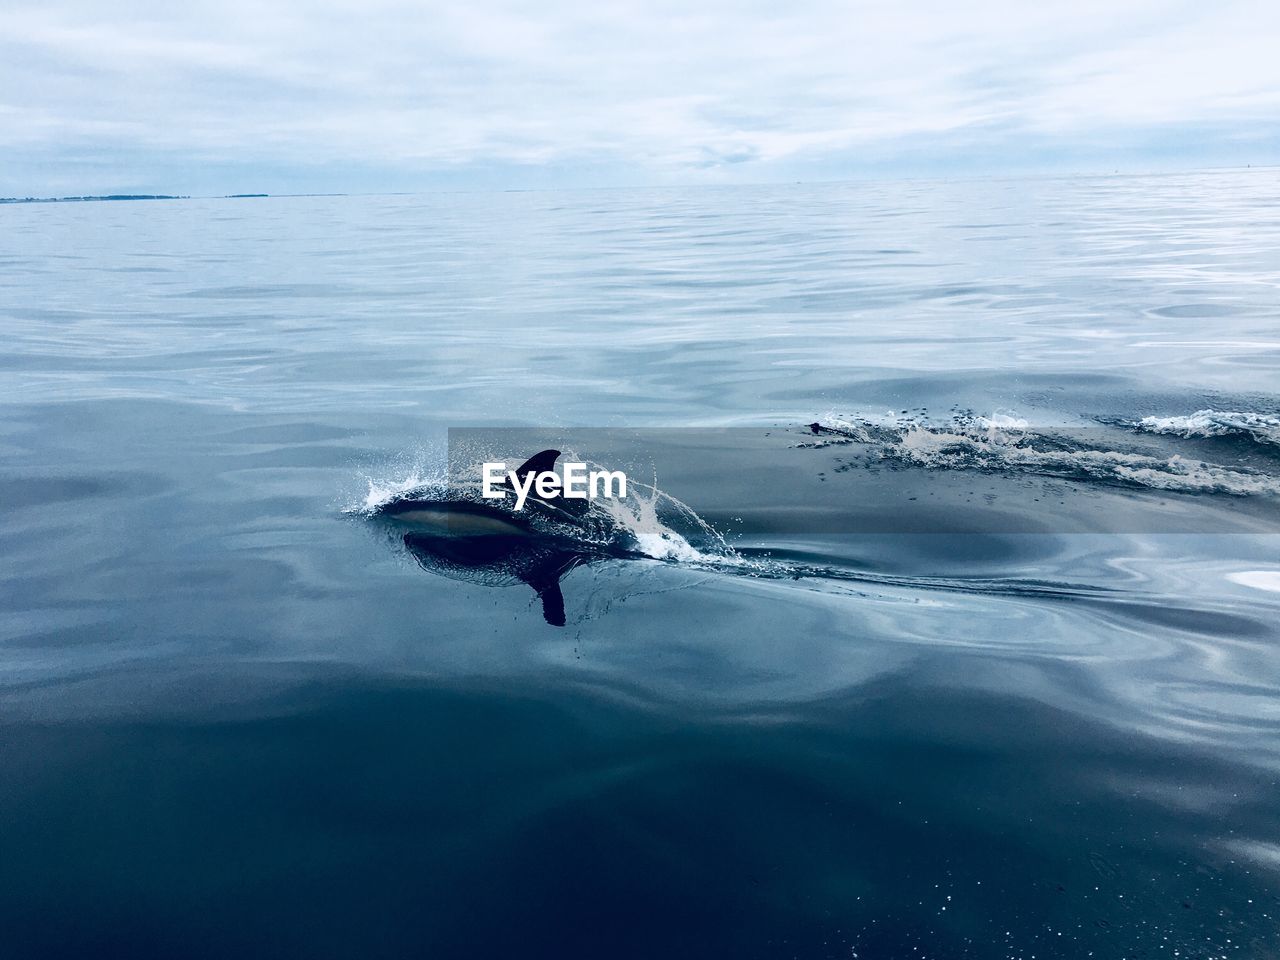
(988, 669)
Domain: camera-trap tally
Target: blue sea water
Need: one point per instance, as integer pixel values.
(964, 644)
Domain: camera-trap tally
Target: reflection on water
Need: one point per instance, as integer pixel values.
(927, 704)
(465, 819)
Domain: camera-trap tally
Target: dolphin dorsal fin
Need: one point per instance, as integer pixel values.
(538, 463)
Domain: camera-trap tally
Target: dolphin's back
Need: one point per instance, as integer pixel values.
(455, 518)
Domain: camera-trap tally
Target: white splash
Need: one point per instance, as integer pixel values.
(639, 516)
(1216, 423)
(1003, 443)
(384, 491)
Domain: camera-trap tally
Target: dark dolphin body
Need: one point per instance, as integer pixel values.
(474, 541)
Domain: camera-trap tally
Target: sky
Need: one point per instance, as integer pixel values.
(208, 97)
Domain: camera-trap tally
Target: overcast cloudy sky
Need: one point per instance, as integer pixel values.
(213, 96)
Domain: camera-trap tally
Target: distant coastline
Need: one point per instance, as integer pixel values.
(164, 196)
(120, 196)
(112, 196)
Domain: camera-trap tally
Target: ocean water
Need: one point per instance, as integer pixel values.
(948, 624)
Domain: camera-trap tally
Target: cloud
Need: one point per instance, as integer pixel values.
(357, 93)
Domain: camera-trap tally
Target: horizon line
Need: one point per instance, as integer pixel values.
(967, 177)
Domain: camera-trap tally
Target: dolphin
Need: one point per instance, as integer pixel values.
(483, 543)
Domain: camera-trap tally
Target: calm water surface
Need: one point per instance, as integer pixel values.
(988, 668)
